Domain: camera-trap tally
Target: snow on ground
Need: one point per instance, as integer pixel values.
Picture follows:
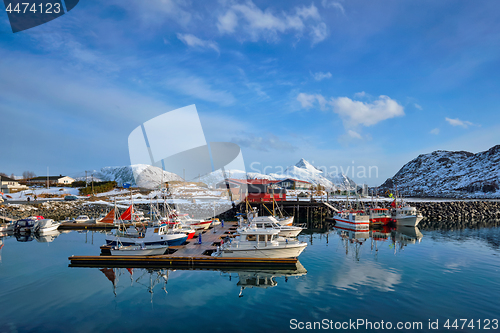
(23, 195)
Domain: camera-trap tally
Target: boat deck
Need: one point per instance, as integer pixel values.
(191, 255)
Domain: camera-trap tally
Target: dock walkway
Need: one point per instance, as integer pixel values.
(191, 255)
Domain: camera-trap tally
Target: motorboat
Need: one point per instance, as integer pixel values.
(25, 225)
(260, 243)
(46, 226)
(154, 234)
(406, 216)
(288, 221)
(380, 216)
(138, 250)
(356, 219)
(270, 222)
(81, 219)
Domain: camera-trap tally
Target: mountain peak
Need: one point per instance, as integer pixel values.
(303, 164)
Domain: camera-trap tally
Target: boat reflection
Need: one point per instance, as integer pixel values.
(247, 278)
(397, 238)
(264, 278)
(47, 237)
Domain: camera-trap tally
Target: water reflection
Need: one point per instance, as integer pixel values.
(264, 278)
(353, 239)
(150, 278)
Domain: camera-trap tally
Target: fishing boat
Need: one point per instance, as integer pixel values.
(138, 250)
(380, 216)
(155, 234)
(46, 226)
(356, 219)
(260, 243)
(406, 216)
(188, 221)
(270, 222)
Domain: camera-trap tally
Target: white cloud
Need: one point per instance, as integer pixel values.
(193, 41)
(333, 4)
(354, 113)
(458, 122)
(320, 75)
(319, 33)
(418, 106)
(354, 134)
(198, 88)
(435, 131)
(307, 101)
(360, 94)
(248, 21)
(227, 22)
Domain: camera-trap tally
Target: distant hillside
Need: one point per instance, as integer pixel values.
(450, 174)
(148, 176)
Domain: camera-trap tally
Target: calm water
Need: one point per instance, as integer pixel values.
(397, 278)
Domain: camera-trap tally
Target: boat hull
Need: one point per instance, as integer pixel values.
(408, 221)
(288, 251)
(138, 251)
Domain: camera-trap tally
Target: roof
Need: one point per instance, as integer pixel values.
(250, 181)
(295, 180)
(49, 177)
(7, 179)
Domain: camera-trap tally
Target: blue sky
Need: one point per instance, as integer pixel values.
(339, 83)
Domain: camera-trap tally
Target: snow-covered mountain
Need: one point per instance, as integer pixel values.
(147, 176)
(450, 174)
(304, 170)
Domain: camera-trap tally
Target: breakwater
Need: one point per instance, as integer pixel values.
(437, 214)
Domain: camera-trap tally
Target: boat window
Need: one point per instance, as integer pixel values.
(262, 238)
(251, 238)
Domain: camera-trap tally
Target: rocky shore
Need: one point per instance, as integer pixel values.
(437, 215)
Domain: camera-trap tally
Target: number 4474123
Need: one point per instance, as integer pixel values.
(35, 8)
(484, 324)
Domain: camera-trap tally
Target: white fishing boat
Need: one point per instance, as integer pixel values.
(407, 216)
(260, 243)
(46, 226)
(138, 250)
(270, 222)
(188, 221)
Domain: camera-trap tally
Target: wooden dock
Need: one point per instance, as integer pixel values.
(191, 255)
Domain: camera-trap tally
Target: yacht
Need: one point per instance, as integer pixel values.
(270, 222)
(46, 226)
(260, 243)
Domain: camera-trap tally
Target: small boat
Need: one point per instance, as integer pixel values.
(81, 219)
(191, 222)
(260, 243)
(156, 234)
(270, 222)
(138, 250)
(356, 219)
(46, 226)
(25, 225)
(380, 216)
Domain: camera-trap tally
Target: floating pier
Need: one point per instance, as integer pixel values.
(191, 255)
